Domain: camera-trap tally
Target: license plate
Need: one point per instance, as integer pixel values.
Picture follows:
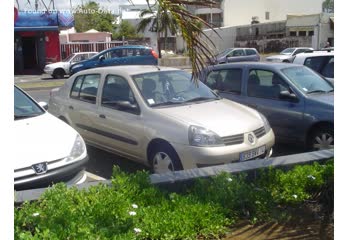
(252, 153)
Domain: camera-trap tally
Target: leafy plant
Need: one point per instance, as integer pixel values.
(132, 208)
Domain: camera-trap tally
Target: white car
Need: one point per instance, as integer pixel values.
(49, 150)
(319, 61)
(59, 69)
(158, 116)
(287, 55)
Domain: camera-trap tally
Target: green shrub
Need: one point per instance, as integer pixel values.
(132, 208)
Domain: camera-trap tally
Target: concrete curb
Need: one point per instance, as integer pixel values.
(169, 179)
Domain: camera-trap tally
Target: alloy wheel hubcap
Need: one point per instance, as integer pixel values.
(162, 163)
(323, 141)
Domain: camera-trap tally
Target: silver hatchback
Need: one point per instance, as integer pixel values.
(158, 116)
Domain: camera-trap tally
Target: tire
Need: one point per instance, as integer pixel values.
(163, 159)
(321, 138)
(286, 61)
(58, 73)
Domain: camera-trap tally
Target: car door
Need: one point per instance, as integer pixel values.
(251, 55)
(263, 92)
(82, 105)
(120, 127)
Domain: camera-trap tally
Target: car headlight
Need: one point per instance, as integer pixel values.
(201, 137)
(78, 149)
(77, 66)
(266, 123)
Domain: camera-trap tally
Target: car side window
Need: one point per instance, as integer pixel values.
(80, 57)
(265, 84)
(226, 80)
(314, 63)
(328, 70)
(85, 88)
(250, 52)
(116, 89)
(238, 52)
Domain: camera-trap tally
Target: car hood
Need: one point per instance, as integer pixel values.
(280, 56)
(327, 99)
(57, 64)
(43, 138)
(224, 117)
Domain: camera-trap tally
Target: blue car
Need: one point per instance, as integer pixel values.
(298, 103)
(123, 55)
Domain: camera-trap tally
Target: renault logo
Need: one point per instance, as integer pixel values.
(251, 138)
(40, 168)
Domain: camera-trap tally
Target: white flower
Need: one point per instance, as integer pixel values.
(295, 196)
(132, 213)
(134, 206)
(35, 214)
(229, 179)
(312, 177)
(137, 230)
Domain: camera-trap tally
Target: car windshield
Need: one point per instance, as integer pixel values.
(67, 59)
(288, 51)
(171, 87)
(307, 80)
(25, 107)
(224, 52)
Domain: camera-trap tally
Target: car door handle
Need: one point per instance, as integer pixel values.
(102, 116)
(71, 107)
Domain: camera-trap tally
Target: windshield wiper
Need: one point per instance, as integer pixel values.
(317, 91)
(165, 104)
(330, 91)
(200, 99)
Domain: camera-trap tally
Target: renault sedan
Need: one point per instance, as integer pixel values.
(160, 117)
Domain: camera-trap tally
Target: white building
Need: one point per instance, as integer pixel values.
(241, 12)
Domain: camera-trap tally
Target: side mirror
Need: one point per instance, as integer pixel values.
(216, 92)
(101, 58)
(286, 95)
(126, 105)
(44, 105)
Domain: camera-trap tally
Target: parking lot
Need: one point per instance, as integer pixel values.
(101, 162)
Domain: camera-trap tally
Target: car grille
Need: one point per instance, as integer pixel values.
(232, 140)
(259, 132)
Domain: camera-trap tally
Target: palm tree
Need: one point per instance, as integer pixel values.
(160, 21)
(328, 6)
(173, 15)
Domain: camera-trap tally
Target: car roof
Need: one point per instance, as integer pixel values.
(315, 53)
(128, 69)
(264, 65)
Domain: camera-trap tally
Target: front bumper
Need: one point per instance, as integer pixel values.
(70, 174)
(48, 71)
(193, 157)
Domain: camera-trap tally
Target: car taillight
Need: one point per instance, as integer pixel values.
(155, 55)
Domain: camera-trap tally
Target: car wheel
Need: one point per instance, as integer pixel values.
(286, 61)
(58, 73)
(322, 138)
(164, 159)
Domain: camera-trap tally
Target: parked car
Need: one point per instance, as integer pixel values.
(59, 69)
(287, 55)
(158, 116)
(298, 103)
(123, 55)
(237, 55)
(320, 61)
(48, 150)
